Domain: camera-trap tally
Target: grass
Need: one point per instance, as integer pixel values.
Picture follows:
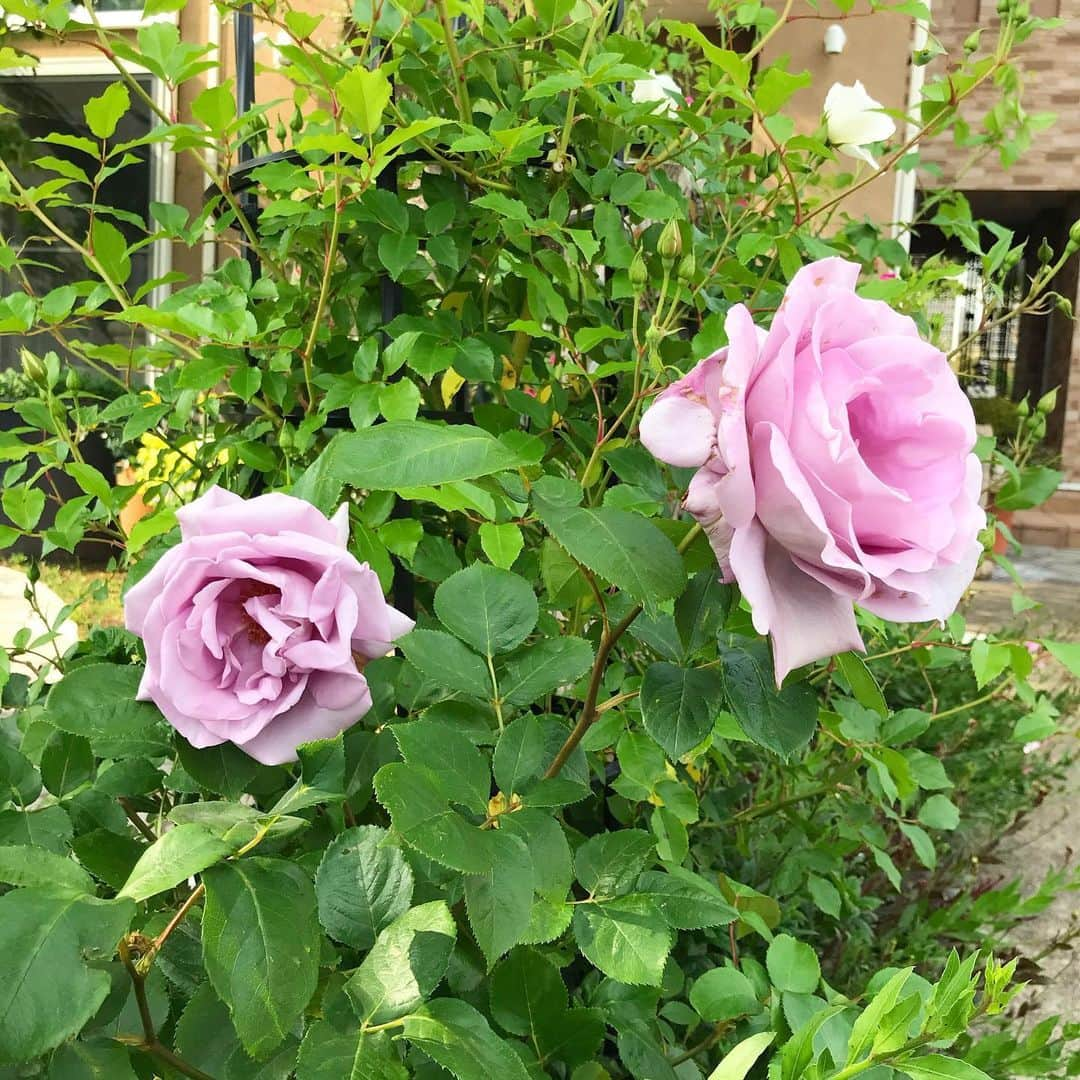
(102, 605)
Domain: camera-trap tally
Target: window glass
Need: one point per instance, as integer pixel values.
(43, 105)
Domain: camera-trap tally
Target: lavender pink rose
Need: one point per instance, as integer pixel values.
(834, 465)
(257, 625)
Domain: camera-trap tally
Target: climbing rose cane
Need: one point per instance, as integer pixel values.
(257, 625)
(834, 465)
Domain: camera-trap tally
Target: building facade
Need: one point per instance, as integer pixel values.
(1039, 197)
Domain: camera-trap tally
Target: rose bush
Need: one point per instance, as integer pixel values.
(257, 625)
(567, 826)
(835, 464)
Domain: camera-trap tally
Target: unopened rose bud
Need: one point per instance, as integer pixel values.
(687, 266)
(922, 57)
(670, 245)
(1048, 402)
(297, 121)
(34, 369)
(1023, 12)
(285, 438)
(1046, 253)
(281, 132)
(71, 380)
(639, 273)
(971, 42)
(1023, 408)
(1004, 7)
(1074, 235)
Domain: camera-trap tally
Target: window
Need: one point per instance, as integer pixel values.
(43, 104)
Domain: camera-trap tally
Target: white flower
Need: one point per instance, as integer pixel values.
(854, 120)
(658, 87)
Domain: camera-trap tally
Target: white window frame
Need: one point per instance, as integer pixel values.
(162, 157)
(129, 19)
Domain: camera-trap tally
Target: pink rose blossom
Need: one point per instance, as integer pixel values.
(834, 465)
(257, 625)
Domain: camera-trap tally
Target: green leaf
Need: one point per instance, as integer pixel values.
(724, 994)
(23, 505)
(47, 990)
(525, 991)
(412, 453)
(364, 95)
(216, 107)
(701, 610)
(32, 866)
(224, 769)
(502, 544)
(419, 811)
(793, 966)
(205, 1036)
(450, 760)
(939, 1067)
(67, 763)
(406, 963)
(98, 701)
(741, 1059)
(490, 609)
(609, 863)
(775, 86)
(261, 946)
(499, 901)
(447, 662)
(362, 885)
(626, 938)
(459, 1039)
(623, 548)
(109, 248)
(322, 777)
(399, 401)
(542, 668)
(397, 252)
(90, 480)
(780, 720)
(939, 812)
(19, 780)
(685, 899)
(679, 705)
(546, 842)
(175, 856)
(103, 113)
(1067, 653)
(1029, 487)
(97, 1059)
(862, 682)
(988, 661)
(48, 828)
(328, 1054)
(866, 1025)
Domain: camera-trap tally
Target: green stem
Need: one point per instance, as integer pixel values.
(456, 66)
(495, 699)
(608, 640)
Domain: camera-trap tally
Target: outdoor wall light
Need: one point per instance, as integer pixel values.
(835, 39)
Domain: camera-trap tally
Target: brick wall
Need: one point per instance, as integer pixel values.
(1051, 79)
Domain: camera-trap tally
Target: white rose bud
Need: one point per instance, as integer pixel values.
(854, 120)
(658, 87)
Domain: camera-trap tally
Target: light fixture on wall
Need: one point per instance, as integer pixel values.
(835, 39)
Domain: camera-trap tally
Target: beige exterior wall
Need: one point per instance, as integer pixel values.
(877, 50)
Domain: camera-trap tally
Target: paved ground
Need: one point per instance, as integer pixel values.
(16, 613)
(1050, 838)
